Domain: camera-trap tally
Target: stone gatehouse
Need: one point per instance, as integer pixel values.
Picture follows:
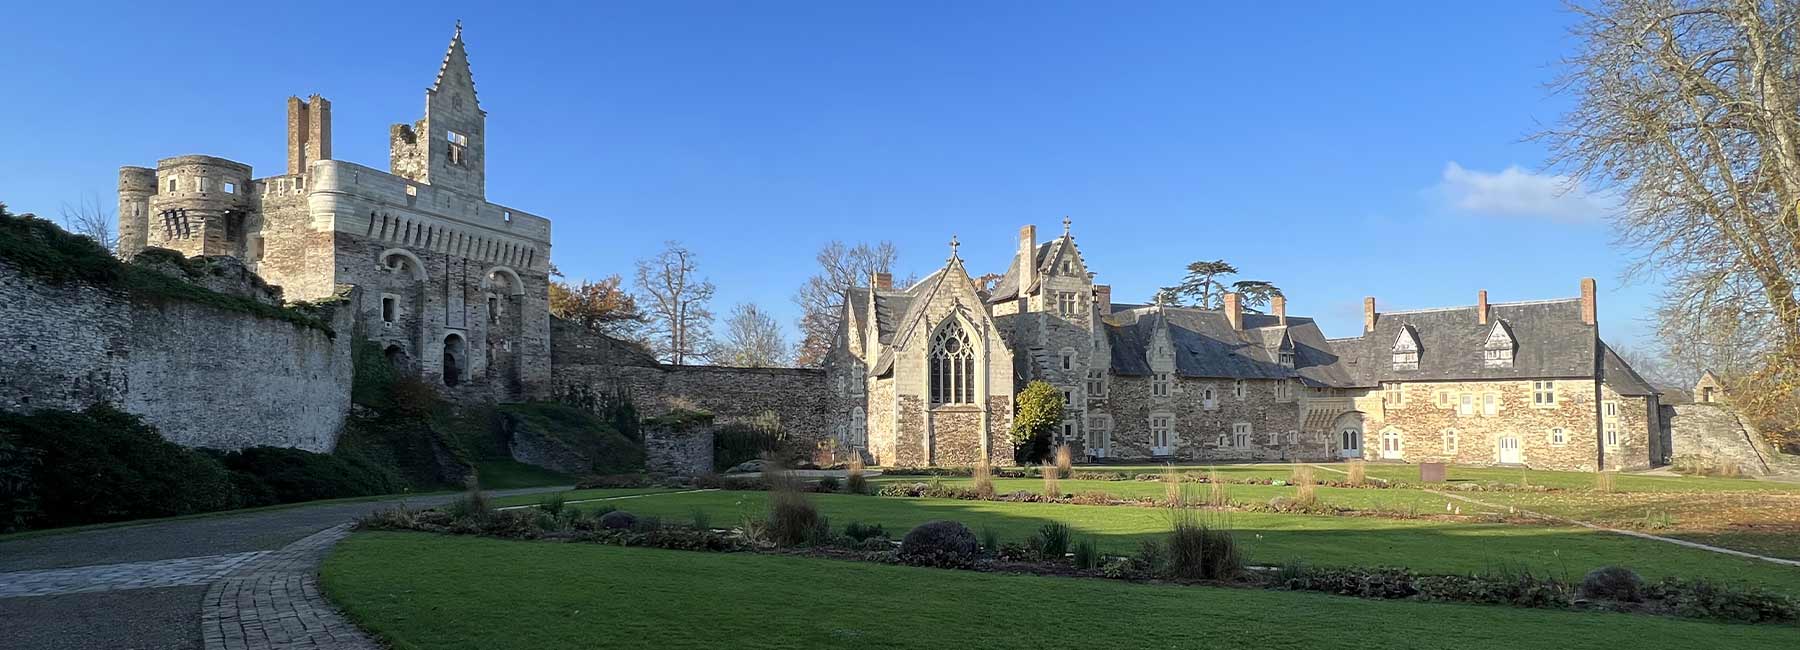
(924, 375)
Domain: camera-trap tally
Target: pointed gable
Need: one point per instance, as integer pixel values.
(454, 73)
(1406, 349)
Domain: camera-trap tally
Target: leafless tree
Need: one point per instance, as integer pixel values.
(680, 322)
(752, 339)
(1689, 112)
(821, 299)
(90, 217)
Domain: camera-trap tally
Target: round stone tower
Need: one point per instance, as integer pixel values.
(200, 206)
(136, 186)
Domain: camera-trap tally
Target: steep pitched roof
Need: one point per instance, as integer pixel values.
(456, 58)
(1551, 340)
(1620, 376)
(1007, 288)
(1205, 345)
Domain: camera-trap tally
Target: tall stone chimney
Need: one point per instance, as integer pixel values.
(1369, 314)
(1278, 307)
(1103, 298)
(1481, 310)
(309, 132)
(1588, 314)
(882, 281)
(1027, 258)
(1234, 311)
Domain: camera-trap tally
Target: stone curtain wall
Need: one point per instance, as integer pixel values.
(204, 376)
(687, 452)
(798, 397)
(1710, 436)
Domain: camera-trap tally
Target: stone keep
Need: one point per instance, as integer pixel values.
(453, 286)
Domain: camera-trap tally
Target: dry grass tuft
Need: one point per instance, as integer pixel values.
(1358, 473)
(1305, 488)
(1052, 483)
(1603, 481)
(1172, 486)
(984, 479)
(793, 520)
(855, 481)
(1065, 461)
(1218, 494)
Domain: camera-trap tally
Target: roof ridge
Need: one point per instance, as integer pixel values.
(1426, 310)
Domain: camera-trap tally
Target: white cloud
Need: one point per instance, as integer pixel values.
(1515, 192)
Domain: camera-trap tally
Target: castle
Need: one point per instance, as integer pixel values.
(925, 375)
(452, 286)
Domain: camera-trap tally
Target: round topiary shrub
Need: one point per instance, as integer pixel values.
(941, 543)
(1613, 583)
(618, 520)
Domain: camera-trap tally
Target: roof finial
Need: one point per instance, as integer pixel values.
(458, 28)
(953, 246)
(1065, 225)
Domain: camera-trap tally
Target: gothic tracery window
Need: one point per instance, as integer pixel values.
(952, 366)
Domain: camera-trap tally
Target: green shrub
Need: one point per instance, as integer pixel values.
(618, 520)
(105, 465)
(736, 443)
(1741, 603)
(1152, 557)
(471, 506)
(860, 531)
(700, 518)
(793, 520)
(941, 543)
(990, 540)
(294, 475)
(553, 503)
(1053, 540)
(1087, 555)
(18, 501)
(1038, 412)
(1199, 549)
(828, 484)
(1613, 583)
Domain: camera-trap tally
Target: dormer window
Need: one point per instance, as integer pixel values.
(1068, 268)
(1497, 352)
(1287, 358)
(1406, 349)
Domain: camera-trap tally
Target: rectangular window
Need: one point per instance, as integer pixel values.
(1612, 409)
(1393, 394)
(257, 248)
(1096, 383)
(1449, 441)
(1465, 404)
(230, 187)
(1240, 434)
(1284, 389)
(1159, 384)
(1237, 389)
(458, 143)
(1497, 358)
(1406, 360)
(171, 184)
(1612, 434)
(1558, 437)
(1208, 400)
(1068, 360)
(1490, 404)
(1287, 358)
(1068, 398)
(1159, 432)
(1065, 303)
(1543, 393)
(390, 309)
(1068, 432)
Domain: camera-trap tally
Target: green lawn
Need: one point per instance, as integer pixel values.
(427, 591)
(1427, 546)
(1458, 473)
(506, 474)
(577, 495)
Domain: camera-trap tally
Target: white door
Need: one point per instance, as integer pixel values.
(1509, 451)
(1096, 443)
(1390, 445)
(1350, 442)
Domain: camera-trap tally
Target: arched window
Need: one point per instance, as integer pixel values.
(952, 366)
(858, 426)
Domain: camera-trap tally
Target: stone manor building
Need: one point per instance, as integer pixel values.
(452, 285)
(925, 375)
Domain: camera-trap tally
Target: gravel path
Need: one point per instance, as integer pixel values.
(237, 581)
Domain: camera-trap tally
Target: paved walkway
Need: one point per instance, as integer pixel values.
(244, 581)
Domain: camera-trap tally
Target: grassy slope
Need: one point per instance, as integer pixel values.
(499, 474)
(1432, 547)
(426, 591)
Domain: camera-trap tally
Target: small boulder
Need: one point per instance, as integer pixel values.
(748, 466)
(941, 543)
(1613, 583)
(618, 520)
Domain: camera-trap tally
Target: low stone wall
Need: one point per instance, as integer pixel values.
(683, 452)
(204, 375)
(1711, 436)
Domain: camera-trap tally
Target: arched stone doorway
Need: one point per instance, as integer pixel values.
(1348, 428)
(397, 359)
(454, 359)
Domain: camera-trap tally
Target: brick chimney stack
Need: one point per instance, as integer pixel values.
(1588, 314)
(1103, 298)
(1278, 306)
(882, 281)
(1369, 314)
(309, 132)
(1027, 258)
(1481, 310)
(1234, 311)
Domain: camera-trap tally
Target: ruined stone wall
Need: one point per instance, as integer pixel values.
(1712, 437)
(687, 452)
(1428, 411)
(205, 376)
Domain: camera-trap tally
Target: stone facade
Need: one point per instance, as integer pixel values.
(205, 376)
(1711, 436)
(687, 452)
(455, 287)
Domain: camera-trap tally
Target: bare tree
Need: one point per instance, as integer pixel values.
(821, 299)
(752, 340)
(90, 218)
(680, 322)
(1689, 111)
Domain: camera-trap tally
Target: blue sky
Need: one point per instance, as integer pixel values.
(1336, 149)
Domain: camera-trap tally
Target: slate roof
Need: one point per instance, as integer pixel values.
(1621, 377)
(1552, 342)
(1007, 287)
(1206, 346)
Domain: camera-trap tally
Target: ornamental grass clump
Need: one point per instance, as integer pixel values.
(1218, 494)
(1305, 489)
(1201, 547)
(471, 506)
(1087, 555)
(1357, 473)
(1052, 484)
(854, 479)
(1603, 482)
(1065, 461)
(1053, 540)
(793, 520)
(984, 479)
(1171, 481)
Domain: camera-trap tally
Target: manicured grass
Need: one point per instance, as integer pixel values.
(427, 591)
(1387, 500)
(1426, 546)
(1458, 473)
(576, 495)
(507, 474)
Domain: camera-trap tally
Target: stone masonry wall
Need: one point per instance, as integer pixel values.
(204, 376)
(1711, 436)
(1426, 412)
(1203, 432)
(688, 452)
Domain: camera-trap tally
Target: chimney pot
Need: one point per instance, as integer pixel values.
(882, 280)
(1481, 307)
(1278, 304)
(1103, 298)
(1588, 314)
(1233, 311)
(1369, 314)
